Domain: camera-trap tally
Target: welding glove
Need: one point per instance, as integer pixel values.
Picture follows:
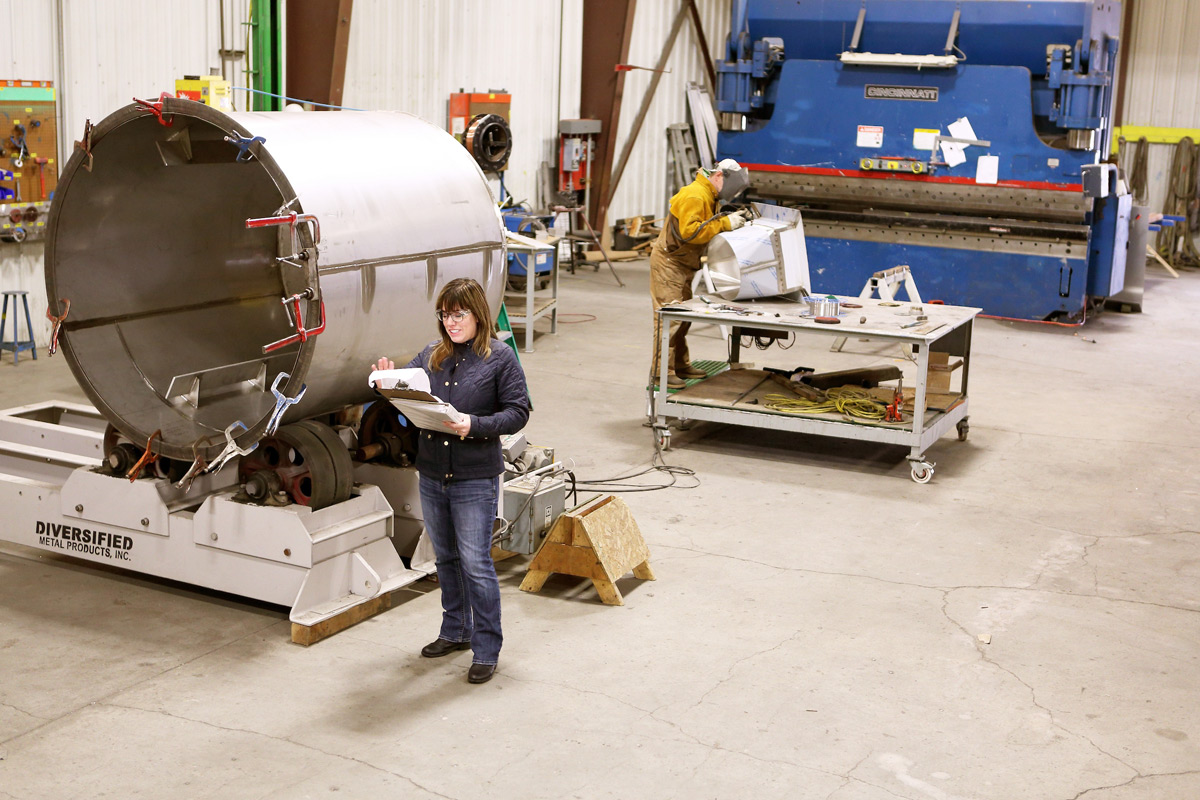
(737, 219)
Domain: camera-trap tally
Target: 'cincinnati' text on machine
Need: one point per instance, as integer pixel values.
(875, 91)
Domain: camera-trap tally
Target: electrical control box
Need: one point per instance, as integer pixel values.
(212, 90)
(531, 505)
(465, 106)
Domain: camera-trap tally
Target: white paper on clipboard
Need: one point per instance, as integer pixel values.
(408, 391)
(423, 409)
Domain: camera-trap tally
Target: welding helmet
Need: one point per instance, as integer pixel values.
(737, 179)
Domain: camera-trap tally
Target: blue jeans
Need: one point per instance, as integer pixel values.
(458, 519)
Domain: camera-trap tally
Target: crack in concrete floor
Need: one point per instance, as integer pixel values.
(285, 739)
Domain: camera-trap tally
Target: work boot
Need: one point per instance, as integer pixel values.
(481, 673)
(443, 647)
(690, 372)
(675, 382)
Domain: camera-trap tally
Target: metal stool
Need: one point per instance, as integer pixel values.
(16, 345)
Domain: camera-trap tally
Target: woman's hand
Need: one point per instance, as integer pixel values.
(461, 428)
(383, 363)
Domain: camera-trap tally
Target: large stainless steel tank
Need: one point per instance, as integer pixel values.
(173, 297)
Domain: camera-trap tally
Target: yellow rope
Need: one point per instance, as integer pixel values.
(848, 400)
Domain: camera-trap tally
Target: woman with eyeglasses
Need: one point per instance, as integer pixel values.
(460, 468)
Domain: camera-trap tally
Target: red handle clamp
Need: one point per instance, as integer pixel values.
(146, 460)
(302, 334)
(58, 321)
(156, 108)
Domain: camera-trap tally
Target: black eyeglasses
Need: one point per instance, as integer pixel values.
(457, 316)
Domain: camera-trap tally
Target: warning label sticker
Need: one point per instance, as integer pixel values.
(870, 136)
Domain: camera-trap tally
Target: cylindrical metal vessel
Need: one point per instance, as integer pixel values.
(173, 297)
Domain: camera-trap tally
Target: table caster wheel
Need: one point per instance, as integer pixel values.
(963, 430)
(922, 472)
(662, 438)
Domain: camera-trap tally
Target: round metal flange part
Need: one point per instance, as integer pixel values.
(183, 315)
(489, 141)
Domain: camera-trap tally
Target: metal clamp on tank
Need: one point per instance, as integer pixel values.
(231, 449)
(302, 334)
(58, 321)
(291, 220)
(243, 145)
(156, 109)
(282, 402)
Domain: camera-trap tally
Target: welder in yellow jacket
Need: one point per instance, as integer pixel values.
(675, 259)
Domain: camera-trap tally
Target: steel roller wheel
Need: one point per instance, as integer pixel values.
(302, 462)
(343, 467)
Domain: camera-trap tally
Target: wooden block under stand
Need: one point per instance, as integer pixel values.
(311, 634)
(600, 541)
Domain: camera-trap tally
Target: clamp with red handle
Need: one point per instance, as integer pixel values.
(302, 334)
(290, 220)
(58, 321)
(156, 108)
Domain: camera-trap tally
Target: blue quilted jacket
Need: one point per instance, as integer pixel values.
(493, 392)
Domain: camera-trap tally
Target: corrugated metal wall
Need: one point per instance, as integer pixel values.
(1163, 86)
(643, 187)
(411, 56)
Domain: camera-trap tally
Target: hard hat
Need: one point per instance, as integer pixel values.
(728, 165)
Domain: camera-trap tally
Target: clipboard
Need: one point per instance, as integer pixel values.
(423, 409)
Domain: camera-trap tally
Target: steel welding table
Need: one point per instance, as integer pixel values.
(527, 307)
(947, 330)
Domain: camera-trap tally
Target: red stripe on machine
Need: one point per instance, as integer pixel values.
(891, 176)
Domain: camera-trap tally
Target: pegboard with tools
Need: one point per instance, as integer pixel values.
(28, 157)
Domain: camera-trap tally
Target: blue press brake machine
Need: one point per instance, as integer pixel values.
(833, 105)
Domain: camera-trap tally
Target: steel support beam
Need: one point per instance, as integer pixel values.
(607, 30)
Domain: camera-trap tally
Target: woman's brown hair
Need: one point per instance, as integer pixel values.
(464, 294)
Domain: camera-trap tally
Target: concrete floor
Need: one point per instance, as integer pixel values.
(814, 631)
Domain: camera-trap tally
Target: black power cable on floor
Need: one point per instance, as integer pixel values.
(618, 484)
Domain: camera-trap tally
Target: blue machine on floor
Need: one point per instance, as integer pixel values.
(528, 224)
(826, 121)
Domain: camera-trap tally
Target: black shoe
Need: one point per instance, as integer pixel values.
(443, 647)
(481, 673)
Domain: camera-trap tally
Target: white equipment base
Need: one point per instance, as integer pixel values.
(320, 563)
